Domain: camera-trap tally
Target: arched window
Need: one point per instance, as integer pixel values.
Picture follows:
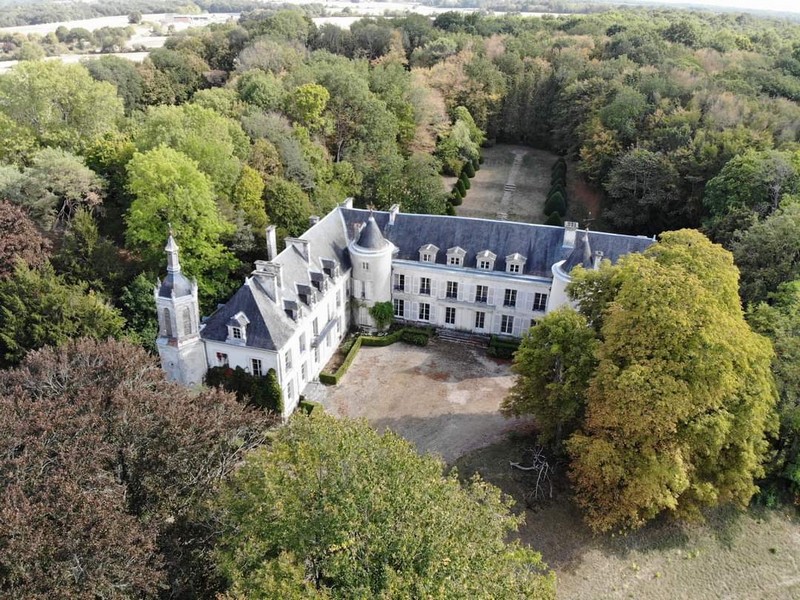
(167, 323)
(186, 317)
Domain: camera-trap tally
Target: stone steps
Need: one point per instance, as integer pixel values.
(461, 337)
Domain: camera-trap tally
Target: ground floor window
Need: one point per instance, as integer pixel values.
(506, 324)
(480, 320)
(222, 359)
(399, 308)
(450, 316)
(290, 390)
(424, 312)
(258, 369)
(304, 371)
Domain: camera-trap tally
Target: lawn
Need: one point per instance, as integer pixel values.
(736, 555)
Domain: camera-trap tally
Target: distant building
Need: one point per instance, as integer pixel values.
(474, 275)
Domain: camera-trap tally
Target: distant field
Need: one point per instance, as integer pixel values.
(751, 555)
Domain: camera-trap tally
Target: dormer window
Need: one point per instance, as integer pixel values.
(455, 256)
(427, 253)
(515, 263)
(237, 329)
(484, 260)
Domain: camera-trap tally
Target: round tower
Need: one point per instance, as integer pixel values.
(371, 258)
(580, 255)
(182, 352)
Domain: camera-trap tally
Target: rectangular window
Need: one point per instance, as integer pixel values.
(425, 286)
(454, 260)
(513, 268)
(539, 301)
(426, 257)
(237, 333)
(338, 298)
(316, 354)
(304, 371)
(485, 265)
(452, 289)
(481, 293)
(424, 312)
(506, 324)
(510, 298)
(450, 315)
(222, 359)
(480, 320)
(302, 343)
(290, 390)
(399, 308)
(288, 360)
(315, 326)
(258, 370)
(365, 266)
(533, 323)
(399, 282)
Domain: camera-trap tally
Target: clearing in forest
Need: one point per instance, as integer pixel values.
(512, 183)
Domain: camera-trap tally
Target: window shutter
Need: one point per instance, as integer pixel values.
(490, 297)
(433, 287)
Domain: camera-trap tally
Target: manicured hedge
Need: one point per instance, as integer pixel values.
(410, 335)
(554, 219)
(469, 170)
(309, 406)
(501, 347)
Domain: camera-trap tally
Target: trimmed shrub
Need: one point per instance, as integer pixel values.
(554, 219)
(450, 210)
(309, 406)
(501, 347)
(555, 203)
(557, 189)
(480, 159)
(456, 191)
(456, 200)
(462, 189)
(469, 170)
(465, 180)
(476, 164)
(417, 339)
(263, 392)
(382, 313)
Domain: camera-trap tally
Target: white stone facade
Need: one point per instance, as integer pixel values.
(472, 275)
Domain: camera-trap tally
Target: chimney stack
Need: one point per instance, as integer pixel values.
(272, 243)
(301, 245)
(570, 232)
(395, 208)
(598, 258)
(269, 276)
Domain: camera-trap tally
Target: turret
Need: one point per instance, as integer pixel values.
(371, 256)
(179, 345)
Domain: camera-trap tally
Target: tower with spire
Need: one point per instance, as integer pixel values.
(179, 345)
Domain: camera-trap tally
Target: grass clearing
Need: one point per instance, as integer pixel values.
(736, 555)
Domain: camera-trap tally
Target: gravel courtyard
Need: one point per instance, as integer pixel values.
(444, 397)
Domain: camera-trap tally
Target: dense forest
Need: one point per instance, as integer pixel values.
(677, 119)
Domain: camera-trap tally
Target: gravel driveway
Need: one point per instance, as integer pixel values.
(444, 397)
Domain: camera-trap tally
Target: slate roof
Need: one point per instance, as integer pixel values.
(580, 255)
(541, 245)
(177, 283)
(270, 326)
(371, 237)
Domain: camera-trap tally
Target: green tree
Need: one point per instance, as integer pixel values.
(682, 400)
(333, 510)
(287, 205)
(780, 322)
(54, 187)
(217, 143)
(38, 309)
(168, 187)
(306, 104)
(553, 365)
(247, 197)
(123, 74)
(139, 309)
(60, 104)
(768, 253)
(261, 89)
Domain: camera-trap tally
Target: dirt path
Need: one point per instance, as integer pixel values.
(444, 398)
(511, 184)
